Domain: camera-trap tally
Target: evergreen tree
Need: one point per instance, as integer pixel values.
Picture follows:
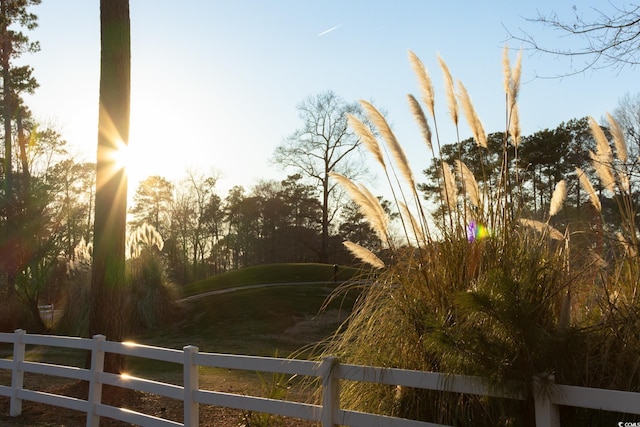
(152, 203)
(14, 14)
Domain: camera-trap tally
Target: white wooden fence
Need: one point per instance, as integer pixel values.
(329, 371)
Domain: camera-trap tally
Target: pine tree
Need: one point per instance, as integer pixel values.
(108, 272)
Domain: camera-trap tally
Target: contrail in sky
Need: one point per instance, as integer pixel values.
(329, 30)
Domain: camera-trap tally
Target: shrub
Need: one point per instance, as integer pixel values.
(479, 289)
(150, 296)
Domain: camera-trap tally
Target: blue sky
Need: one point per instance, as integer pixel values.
(215, 84)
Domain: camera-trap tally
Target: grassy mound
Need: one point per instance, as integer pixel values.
(257, 321)
(271, 273)
(262, 321)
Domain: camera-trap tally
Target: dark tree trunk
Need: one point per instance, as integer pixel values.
(7, 111)
(324, 249)
(9, 259)
(22, 143)
(108, 313)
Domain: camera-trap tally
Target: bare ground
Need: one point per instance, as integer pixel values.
(38, 415)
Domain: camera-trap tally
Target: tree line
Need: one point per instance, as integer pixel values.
(543, 159)
(273, 222)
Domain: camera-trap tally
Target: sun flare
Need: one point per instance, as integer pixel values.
(121, 156)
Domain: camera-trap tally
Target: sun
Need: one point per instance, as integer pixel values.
(121, 156)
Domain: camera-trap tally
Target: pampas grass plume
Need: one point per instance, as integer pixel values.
(624, 182)
(588, 187)
(426, 87)
(517, 73)
(469, 182)
(618, 139)
(542, 227)
(514, 126)
(449, 189)
(511, 77)
(450, 90)
(143, 237)
(368, 139)
(363, 254)
(472, 117)
(421, 119)
(604, 173)
(378, 217)
(559, 195)
(625, 244)
(604, 152)
(369, 206)
(506, 72)
(396, 150)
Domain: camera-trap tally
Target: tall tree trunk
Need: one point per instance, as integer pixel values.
(108, 275)
(324, 250)
(22, 143)
(9, 258)
(7, 111)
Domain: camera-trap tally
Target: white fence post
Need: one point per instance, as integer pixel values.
(190, 382)
(547, 414)
(17, 374)
(95, 386)
(330, 391)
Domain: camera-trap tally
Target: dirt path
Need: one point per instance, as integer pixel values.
(247, 287)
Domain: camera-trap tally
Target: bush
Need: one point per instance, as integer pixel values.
(12, 312)
(151, 299)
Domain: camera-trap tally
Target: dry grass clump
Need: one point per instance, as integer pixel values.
(483, 290)
(150, 295)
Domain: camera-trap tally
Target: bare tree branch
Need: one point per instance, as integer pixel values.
(324, 144)
(610, 39)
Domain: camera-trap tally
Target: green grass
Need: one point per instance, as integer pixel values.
(279, 320)
(258, 321)
(271, 273)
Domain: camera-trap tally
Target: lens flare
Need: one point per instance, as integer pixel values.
(476, 231)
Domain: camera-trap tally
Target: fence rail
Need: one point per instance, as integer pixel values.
(329, 371)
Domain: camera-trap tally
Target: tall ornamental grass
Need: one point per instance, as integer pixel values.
(481, 289)
(150, 296)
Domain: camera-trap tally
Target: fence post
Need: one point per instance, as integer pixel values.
(95, 386)
(17, 374)
(330, 391)
(547, 414)
(191, 385)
